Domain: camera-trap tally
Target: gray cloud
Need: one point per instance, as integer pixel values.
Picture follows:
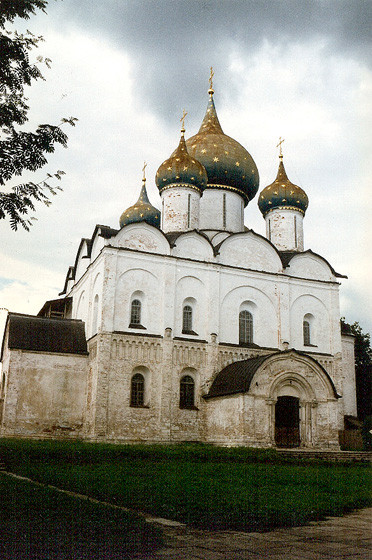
(173, 42)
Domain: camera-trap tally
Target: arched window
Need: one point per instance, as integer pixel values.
(187, 392)
(137, 390)
(307, 333)
(245, 327)
(135, 312)
(187, 319)
(95, 314)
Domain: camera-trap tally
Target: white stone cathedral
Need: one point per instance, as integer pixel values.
(185, 325)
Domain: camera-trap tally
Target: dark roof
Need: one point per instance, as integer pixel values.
(44, 334)
(287, 256)
(106, 232)
(237, 377)
(55, 305)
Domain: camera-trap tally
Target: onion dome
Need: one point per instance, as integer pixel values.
(229, 166)
(181, 170)
(282, 194)
(141, 211)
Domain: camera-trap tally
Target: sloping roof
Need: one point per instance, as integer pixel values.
(59, 305)
(287, 256)
(44, 334)
(237, 377)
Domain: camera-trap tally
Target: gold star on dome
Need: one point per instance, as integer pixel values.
(243, 177)
(284, 200)
(193, 146)
(292, 192)
(275, 192)
(141, 215)
(215, 145)
(270, 202)
(215, 159)
(177, 159)
(185, 167)
(227, 153)
(192, 178)
(225, 170)
(169, 168)
(204, 151)
(237, 164)
(200, 173)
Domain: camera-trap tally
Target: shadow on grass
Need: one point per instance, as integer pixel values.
(39, 523)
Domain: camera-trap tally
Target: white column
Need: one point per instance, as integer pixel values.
(180, 208)
(284, 228)
(221, 210)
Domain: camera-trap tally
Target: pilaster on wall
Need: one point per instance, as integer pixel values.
(103, 382)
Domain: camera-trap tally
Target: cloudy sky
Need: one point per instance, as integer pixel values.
(299, 69)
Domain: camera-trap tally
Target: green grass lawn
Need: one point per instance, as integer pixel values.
(39, 523)
(205, 486)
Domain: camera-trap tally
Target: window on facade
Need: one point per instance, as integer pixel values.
(95, 314)
(187, 319)
(137, 390)
(187, 392)
(224, 210)
(189, 210)
(135, 312)
(245, 327)
(306, 329)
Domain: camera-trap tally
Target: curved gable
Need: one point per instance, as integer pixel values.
(141, 237)
(192, 245)
(249, 250)
(82, 260)
(312, 266)
(238, 376)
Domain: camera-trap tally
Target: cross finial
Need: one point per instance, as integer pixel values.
(144, 171)
(279, 145)
(182, 119)
(211, 90)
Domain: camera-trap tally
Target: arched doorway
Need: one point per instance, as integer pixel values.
(287, 422)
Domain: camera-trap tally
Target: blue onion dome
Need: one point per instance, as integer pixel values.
(229, 166)
(282, 194)
(141, 211)
(181, 169)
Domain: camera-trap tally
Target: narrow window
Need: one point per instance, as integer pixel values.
(137, 390)
(295, 230)
(135, 312)
(224, 210)
(306, 329)
(187, 319)
(187, 392)
(95, 314)
(269, 229)
(189, 210)
(245, 327)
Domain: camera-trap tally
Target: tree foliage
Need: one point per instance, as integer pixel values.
(363, 367)
(22, 150)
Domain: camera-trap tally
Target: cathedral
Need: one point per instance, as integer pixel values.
(185, 325)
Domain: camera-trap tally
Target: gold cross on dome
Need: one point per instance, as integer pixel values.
(182, 119)
(279, 145)
(211, 81)
(144, 170)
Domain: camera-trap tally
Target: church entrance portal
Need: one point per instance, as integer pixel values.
(287, 422)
